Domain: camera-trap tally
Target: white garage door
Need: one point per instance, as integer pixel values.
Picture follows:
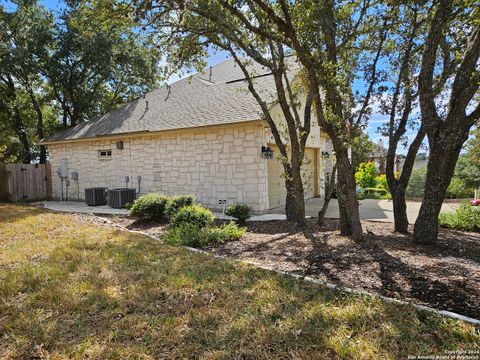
(276, 182)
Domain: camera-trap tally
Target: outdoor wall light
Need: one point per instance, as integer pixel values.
(267, 152)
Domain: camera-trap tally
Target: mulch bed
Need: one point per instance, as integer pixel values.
(445, 276)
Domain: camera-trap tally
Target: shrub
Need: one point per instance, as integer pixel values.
(239, 211)
(373, 193)
(193, 214)
(365, 175)
(177, 202)
(225, 233)
(381, 182)
(149, 206)
(186, 234)
(465, 217)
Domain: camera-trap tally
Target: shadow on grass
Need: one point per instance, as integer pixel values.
(111, 294)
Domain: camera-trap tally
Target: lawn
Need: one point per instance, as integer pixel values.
(72, 289)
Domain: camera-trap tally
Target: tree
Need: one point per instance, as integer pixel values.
(24, 44)
(332, 42)
(99, 60)
(398, 102)
(452, 42)
(70, 67)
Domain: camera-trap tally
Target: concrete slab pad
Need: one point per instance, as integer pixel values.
(81, 207)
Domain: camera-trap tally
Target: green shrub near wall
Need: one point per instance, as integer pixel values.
(177, 202)
(149, 206)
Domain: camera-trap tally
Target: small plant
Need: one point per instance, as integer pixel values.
(149, 206)
(178, 202)
(239, 211)
(193, 214)
(225, 233)
(465, 217)
(187, 235)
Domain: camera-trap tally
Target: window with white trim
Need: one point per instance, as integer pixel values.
(104, 154)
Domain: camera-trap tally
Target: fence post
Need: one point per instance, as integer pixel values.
(3, 183)
(48, 180)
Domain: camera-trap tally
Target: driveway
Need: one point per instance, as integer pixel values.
(370, 209)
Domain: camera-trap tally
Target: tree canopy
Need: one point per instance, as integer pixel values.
(59, 69)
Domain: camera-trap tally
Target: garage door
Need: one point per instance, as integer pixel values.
(276, 183)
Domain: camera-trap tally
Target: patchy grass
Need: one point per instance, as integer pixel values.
(75, 290)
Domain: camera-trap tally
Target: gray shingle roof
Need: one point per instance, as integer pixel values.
(198, 100)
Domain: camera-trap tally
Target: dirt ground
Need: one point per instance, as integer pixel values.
(445, 276)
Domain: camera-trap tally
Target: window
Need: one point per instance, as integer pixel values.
(104, 154)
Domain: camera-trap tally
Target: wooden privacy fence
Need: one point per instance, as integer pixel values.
(25, 182)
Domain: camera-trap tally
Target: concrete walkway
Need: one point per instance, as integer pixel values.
(370, 209)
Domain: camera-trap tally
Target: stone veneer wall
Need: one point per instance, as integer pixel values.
(214, 163)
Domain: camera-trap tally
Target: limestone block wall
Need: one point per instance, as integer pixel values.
(213, 163)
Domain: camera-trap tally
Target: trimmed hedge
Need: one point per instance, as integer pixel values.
(149, 206)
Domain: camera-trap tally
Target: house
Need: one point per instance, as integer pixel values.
(378, 155)
(202, 135)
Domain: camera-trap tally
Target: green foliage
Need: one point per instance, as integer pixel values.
(190, 234)
(187, 234)
(458, 188)
(466, 217)
(58, 68)
(374, 193)
(193, 214)
(381, 182)
(366, 175)
(362, 149)
(149, 206)
(416, 185)
(225, 233)
(177, 202)
(238, 211)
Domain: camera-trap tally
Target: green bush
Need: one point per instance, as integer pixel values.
(374, 193)
(225, 233)
(381, 182)
(177, 202)
(365, 175)
(149, 206)
(193, 214)
(187, 235)
(239, 211)
(459, 189)
(465, 217)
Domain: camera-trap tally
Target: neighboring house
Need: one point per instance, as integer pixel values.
(379, 157)
(201, 135)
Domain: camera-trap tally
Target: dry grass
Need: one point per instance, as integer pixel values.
(76, 290)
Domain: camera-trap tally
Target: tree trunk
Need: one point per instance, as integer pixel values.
(445, 149)
(400, 210)
(398, 186)
(40, 132)
(295, 199)
(347, 197)
(329, 187)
